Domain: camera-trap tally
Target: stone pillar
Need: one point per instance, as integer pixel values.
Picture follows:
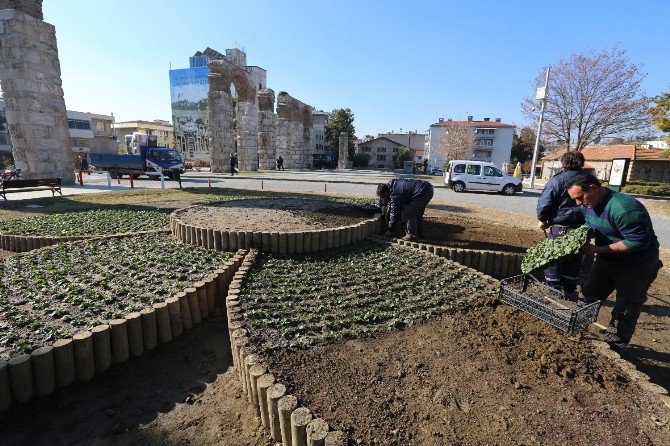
(31, 84)
(267, 124)
(220, 115)
(343, 160)
(247, 135)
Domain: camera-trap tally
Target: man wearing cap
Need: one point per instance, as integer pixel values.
(626, 250)
(406, 199)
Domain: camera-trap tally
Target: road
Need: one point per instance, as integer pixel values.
(356, 183)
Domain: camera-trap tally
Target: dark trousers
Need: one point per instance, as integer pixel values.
(232, 169)
(563, 275)
(413, 211)
(631, 282)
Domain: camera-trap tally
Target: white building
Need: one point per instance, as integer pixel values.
(489, 140)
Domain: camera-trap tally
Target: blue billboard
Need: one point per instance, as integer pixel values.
(188, 93)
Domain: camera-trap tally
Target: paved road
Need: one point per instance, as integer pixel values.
(358, 183)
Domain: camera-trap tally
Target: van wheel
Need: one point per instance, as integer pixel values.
(509, 189)
(458, 186)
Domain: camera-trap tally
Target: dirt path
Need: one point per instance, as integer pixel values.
(495, 377)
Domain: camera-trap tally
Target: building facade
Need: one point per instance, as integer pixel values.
(484, 140)
(321, 156)
(163, 131)
(188, 91)
(415, 141)
(382, 151)
(646, 164)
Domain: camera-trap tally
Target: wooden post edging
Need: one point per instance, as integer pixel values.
(27, 243)
(96, 350)
(278, 412)
(279, 242)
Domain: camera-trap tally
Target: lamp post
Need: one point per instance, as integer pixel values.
(541, 95)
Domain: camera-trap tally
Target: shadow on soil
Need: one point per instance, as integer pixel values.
(110, 408)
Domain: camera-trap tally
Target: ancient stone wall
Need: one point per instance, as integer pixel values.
(294, 131)
(31, 85)
(267, 126)
(342, 162)
(31, 7)
(219, 103)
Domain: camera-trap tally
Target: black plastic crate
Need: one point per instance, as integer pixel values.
(527, 293)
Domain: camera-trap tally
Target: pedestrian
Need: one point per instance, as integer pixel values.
(626, 253)
(406, 199)
(280, 163)
(560, 214)
(233, 163)
(83, 161)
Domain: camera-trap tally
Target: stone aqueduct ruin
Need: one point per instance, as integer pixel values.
(262, 134)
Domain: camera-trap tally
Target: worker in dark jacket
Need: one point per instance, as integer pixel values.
(407, 200)
(558, 212)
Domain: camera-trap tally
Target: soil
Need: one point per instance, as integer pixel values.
(276, 215)
(494, 376)
(184, 393)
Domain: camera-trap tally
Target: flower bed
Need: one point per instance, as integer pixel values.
(51, 293)
(97, 222)
(301, 301)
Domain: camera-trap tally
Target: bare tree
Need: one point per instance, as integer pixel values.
(457, 142)
(591, 96)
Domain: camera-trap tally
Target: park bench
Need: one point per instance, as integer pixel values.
(10, 186)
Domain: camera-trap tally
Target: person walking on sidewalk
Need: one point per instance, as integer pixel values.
(560, 214)
(626, 250)
(407, 199)
(233, 163)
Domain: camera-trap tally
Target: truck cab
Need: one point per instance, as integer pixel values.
(161, 159)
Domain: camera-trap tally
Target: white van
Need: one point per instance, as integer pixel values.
(480, 175)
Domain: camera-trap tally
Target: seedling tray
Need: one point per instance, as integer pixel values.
(528, 294)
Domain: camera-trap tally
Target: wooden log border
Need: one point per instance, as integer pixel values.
(160, 322)
(273, 406)
(25, 243)
(307, 241)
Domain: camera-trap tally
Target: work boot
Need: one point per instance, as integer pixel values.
(409, 238)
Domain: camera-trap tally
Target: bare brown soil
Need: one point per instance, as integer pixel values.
(183, 393)
(274, 214)
(494, 376)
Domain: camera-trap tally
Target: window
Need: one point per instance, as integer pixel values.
(381, 149)
(419, 158)
(485, 142)
(474, 169)
(381, 157)
(78, 124)
(485, 131)
(459, 168)
(395, 150)
(100, 126)
(491, 171)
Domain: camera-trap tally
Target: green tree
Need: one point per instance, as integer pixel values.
(523, 145)
(362, 160)
(341, 120)
(660, 112)
(403, 155)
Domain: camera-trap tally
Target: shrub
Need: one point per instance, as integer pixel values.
(361, 160)
(660, 189)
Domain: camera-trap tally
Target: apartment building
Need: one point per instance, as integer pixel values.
(163, 131)
(382, 152)
(483, 140)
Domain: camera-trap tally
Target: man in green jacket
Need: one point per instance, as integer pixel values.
(626, 250)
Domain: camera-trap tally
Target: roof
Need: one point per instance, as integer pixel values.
(608, 153)
(382, 137)
(483, 124)
(415, 141)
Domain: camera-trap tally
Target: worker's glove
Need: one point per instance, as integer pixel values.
(543, 225)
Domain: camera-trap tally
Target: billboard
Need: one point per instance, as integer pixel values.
(188, 93)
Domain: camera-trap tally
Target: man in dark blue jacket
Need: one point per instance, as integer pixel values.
(407, 200)
(557, 211)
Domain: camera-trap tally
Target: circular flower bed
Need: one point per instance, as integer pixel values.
(51, 293)
(98, 222)
(305, 300)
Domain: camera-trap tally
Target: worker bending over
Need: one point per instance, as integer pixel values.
(406, 199)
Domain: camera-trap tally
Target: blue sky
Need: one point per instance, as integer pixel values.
(395, 64)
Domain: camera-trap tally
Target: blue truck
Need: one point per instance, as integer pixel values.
(150, 159)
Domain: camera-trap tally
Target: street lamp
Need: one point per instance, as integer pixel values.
(541, 95)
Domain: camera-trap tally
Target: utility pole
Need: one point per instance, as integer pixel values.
(541, 95)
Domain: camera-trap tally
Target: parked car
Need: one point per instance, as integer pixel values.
(436, 171)
(479, 175)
